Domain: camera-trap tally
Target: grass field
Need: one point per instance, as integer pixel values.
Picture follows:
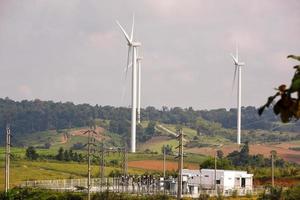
(156, 143)
(41, 170)
(188, 132)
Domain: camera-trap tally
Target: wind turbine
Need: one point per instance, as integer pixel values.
(132, 46)
(139, 73)
(238, 67)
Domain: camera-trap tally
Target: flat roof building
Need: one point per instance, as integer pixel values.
(225, 181)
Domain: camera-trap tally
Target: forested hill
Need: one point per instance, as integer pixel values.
(32, 116)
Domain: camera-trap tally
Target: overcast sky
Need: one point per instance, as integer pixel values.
(72, 50)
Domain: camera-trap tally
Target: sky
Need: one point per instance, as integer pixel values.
(73, 50)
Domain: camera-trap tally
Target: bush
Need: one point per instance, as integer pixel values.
(31, 153)
(203, 197)
(293, 193)
(271, 193)
(234, 193)
(123, 196)
(38, 194)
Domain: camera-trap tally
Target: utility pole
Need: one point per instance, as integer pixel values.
(125, 160)
(272, 160)
(102, 152)
(164, 164)
(180, 164)
(7, 157)
(215, 183)
(90, 142)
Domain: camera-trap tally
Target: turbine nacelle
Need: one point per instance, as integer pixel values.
(136, 44)
(241, 64)
(236, 61)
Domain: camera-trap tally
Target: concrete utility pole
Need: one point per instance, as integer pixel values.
(180, 163)
(7, 157)
(215, 183)
(272, 159)
(125, 160)
(102, 165)
(164, 163)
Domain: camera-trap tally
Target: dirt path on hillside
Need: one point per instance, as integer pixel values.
(169, 131)
(64, 138)
(81, 132)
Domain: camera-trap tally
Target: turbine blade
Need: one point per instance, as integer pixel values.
(124, 32)
(128, 59)
(234, 59)
(234, 77)
(126, 72)
(132, 28)
(237, 52)
(129, 66)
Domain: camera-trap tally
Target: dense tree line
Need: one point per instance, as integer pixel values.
(69, 155)
(243, 158)
(32, 116)
(256, 164)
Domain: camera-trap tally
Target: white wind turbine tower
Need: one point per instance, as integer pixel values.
(238, 67)
(139, 73)
(132, 47)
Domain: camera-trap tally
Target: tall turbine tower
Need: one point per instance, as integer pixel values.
(238, 67)
(132, 45)
(139, 74)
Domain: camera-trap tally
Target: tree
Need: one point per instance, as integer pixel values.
(47, 145)
(244, 153)
(60, 155)
(150, 130)
(31, 153)
(220, 154)
(168, 149)
(75, 157)
(221, 164)
(80, 158)
(66, 155)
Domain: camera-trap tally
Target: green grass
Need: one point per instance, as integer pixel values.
(213, 140)
(190, 135)
(156, 146)
(23, 170)
(39, 138)
(144, 124)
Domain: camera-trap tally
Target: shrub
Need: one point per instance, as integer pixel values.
(273, 194)
(203, 197)
(234, 193)
(293, 193)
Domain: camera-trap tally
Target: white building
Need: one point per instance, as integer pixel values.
(226, 181)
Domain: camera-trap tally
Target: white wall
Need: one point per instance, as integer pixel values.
(228, 179)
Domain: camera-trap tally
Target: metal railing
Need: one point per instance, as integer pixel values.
(144, 185)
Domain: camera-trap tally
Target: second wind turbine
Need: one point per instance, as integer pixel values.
(238, 67)
(132, 48)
